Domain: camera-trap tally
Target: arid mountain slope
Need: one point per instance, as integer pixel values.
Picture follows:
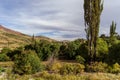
(11, 38)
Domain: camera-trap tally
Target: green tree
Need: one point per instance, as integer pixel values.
(63, 51)
(3, 54)
(27, 62)
(83, 51)
(113, 36)
(43, 49)
(55, 50)
(114, 54)
(33, 39)
(112, 29)
(102, 50)
(92, 12)
(69, 50)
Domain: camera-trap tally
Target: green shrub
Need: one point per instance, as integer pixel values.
(15, 52)
(115, 68)
(27, 62)
(4, 57)
(114, 54)
(80, 59)
(2, 69)
(71, 68)
(78, 68)
(55, 67)
(97, 67)
(6, 50)
(102, 50)
(48, 76)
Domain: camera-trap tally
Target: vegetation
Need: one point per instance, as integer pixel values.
(80, 59)
(3, 54)
(92, 12)
(84, 76)
(114, 52)
(27, 62)
(112, 29)
(27, 59)
(73, 60)
(46, 59)
(97, 67)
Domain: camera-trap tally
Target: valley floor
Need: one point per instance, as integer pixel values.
(46, 75)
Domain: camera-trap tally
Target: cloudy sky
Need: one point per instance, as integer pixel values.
(57, 19)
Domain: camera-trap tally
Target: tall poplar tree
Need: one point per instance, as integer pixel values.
(113, 34)
(92, 12)
(112, 29)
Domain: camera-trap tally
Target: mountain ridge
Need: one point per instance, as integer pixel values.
(10, 30)
(12, 39)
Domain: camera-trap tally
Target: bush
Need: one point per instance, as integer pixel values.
(3, 54)
(102, 50)
(78, 68)
(4, 57)
(97, 67)
(15, 52)
(71, 68)
(47, 76)
(6, 50)
(114, 54)
(55, 67)
(115, 68)
(80, 59)
(69, 50)
(27, 62)
(2, 69)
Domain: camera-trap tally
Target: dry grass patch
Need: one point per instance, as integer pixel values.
(6, 64)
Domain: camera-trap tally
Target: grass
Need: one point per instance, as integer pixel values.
(83, 76)
(14, 40)
(6, 64)
(45, 75)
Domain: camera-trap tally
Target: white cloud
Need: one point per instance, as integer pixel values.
(63, 18)
(46, 16)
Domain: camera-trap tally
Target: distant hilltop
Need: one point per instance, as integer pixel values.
(12, 39)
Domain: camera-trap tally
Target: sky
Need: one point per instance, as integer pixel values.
(56, 19)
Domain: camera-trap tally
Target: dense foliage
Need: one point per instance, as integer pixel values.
(3, 54)
(27, 62)
(66, 60)
(92, 13)
(44, 49)
(114, 54)
(71, 69)
(27, 58)
(97, 67)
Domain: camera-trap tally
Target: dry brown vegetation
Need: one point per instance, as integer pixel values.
(12, 39)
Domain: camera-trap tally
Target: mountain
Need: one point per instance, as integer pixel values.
(45, 38)
(9, 30)
(11, 38)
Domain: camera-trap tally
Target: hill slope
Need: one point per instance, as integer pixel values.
(11, 38)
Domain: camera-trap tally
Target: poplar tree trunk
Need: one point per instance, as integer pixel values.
(92, 12)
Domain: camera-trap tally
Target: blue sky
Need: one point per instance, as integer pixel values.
(57, 19)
